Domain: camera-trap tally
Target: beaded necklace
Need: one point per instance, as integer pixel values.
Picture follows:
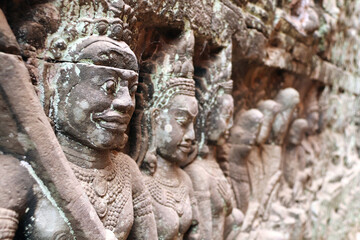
(168, 193)
(108, 189)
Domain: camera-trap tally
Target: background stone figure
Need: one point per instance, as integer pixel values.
(257, 170)
(170, 116)
(294, 159)
(268, 156)
(212, 190)
(311, 143)
(243, 137)
(288, 99)
(272, 153)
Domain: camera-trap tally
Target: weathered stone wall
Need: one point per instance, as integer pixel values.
(302, 188)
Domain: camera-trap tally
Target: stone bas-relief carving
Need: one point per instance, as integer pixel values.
(92, 105)
(174, 204)
(171, 115)
(294, 160)
(267, 181)
(243, 136)
(92, 117)
(212, 190)
(219, 219)
(269, 109)
(95, 101)
(33, 141)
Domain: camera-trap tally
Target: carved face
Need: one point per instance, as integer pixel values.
(220, 119)
(174, 130)
(247, 133)
(297, 131)
(97, 109)
(313, 122)
(269, 108)
(265, 130)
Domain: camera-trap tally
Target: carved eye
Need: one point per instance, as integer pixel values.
(109, 86)
(182, 121)
(132, 90)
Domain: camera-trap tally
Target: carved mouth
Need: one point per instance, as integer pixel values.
(112, 120)
(186, 148)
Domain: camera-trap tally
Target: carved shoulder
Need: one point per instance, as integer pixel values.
(15, 184)
(198, 176)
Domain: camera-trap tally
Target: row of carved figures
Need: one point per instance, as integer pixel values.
(197, 167)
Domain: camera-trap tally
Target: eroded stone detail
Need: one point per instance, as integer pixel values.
(171, 114)
(212, 189)
(286, 166)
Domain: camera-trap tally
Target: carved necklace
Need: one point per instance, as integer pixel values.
(168, 193)
(108, 189)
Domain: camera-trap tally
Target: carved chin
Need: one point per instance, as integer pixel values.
(114, 142)
(106, 140)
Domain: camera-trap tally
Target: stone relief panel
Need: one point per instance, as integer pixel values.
(93, 75)
(177, 120)
(170, 112)
(212, 189)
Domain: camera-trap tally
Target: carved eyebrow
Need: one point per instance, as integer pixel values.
(101, 80)
(127, 74)
(187, 112)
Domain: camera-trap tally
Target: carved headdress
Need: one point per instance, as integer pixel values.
(169, 70)
(88, 18)
(92, 34)
(166, 73)
(288, 99)
(212, 78)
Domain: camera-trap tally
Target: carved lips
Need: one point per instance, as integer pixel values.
(112, 120)
(185, 147)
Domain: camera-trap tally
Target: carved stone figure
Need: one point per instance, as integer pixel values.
(288, 99)
(92, 115)
(93, 100)
(212, 190)
(269, 109)
(77, 161)
(294, 157)
(265, 160)
(170, 116)
(27, 138)
(290, 209)
(311, 143)
(272, 153)
(243, 136)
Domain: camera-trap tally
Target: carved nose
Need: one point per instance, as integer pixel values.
(190, 133)
(123, 102)
(230, 123)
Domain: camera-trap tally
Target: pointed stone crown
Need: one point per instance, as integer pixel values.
(82, 19)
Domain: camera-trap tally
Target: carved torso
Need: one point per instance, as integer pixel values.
(239, 175)
(214, 187)
(110, 190)
(220, 189)
(173, 205)
(238, 163)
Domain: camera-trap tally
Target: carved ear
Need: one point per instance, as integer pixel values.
(155, 115)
